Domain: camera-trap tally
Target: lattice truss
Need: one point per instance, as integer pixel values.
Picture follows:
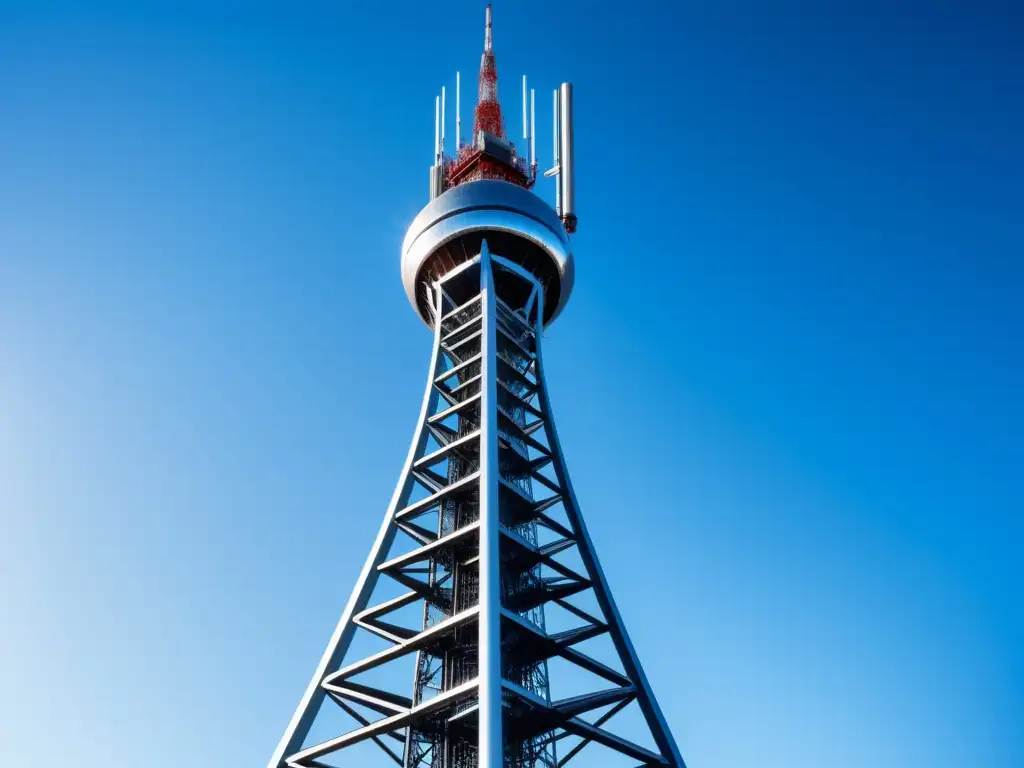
(483, 585)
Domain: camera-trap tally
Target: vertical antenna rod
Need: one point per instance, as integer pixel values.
(533, 136)
(458, 112)
(442, 122)
(435, 167)
(526, 127)
(565, 159)
(556, 170)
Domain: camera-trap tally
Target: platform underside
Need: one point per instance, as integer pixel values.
(525, 253)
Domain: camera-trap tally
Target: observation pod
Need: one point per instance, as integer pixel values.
(517, 225)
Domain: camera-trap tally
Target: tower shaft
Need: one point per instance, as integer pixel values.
(474, 539)
(483, 586)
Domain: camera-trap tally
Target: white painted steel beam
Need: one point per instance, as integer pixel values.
(490, 748)
(301, 759)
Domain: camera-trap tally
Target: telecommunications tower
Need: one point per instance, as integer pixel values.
(482, 631)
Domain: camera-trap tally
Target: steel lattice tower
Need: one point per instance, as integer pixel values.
(483, 541)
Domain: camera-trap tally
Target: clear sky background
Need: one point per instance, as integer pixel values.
(788, 383)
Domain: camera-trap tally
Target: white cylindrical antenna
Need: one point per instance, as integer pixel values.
(554, 131)
(458, 113)
(442, 121)
(487, 31)
(526, 127)
(565, 159)
(558, 165)
(533, 135)
(437, 128)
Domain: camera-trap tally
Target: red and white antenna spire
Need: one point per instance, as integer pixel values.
(488, 152)
(487, 116)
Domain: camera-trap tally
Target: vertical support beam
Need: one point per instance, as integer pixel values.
(490, 746)
(617, 629)
(302, 720)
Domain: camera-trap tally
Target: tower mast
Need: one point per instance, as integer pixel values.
(483, 576)
(487, 116)
(489, 154)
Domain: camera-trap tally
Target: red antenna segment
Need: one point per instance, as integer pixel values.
(487, 116)
(488, 154)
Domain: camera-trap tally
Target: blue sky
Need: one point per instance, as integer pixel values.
(788, 382)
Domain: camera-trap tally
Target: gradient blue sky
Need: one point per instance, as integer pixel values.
(788, 383)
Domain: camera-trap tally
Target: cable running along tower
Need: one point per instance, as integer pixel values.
(482, 631)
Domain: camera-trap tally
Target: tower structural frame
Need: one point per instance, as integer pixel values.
(485, 557)
(483, 580)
